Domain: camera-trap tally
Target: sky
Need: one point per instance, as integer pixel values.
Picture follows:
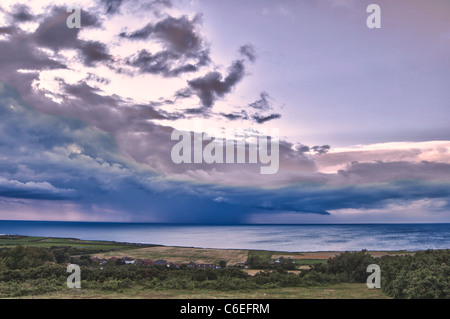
(359, 115)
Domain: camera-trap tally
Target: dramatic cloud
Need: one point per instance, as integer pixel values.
(35, 190)
(112, 6)
(93, 51)
(263, 104)
(262, 119)
(87, 115)
(236, 115)
(63, 159)
(213, 86)
(53, 32)
(258, 111)
(22, 13)
(180, 41)
(248, 51)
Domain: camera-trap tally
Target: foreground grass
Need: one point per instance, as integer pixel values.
(339, 291)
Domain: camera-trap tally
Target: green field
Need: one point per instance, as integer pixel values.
(47, 242)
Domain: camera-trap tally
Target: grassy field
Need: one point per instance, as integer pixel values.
(182, 254)
(340, 291)
(47, 242)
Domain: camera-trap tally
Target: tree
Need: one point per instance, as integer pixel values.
(61, 256)
(21, 257)
(222, 264)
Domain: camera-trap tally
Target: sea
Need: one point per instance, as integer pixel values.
(292, 238)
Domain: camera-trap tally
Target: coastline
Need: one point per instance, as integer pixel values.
(283, 238)
(103, 249)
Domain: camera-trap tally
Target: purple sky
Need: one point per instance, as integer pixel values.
(87, 114)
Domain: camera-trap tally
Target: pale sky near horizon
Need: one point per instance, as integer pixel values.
(362, 113)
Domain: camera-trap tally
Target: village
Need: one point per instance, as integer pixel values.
(149, 262)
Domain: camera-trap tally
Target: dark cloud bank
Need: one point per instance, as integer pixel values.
(96, 150)
(62, 159)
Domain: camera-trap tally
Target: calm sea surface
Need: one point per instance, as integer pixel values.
(266, 237)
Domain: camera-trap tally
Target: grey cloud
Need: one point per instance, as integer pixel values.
(100, 175)
(321, 199)
(149, 6)
(177, 34)
(211, 86)
(89, 95)
(184, 50)
(20, 53)
(112, 6)
(302, 148)
(7, 30)
(263, 103)
(204, 112)
(96, 78)
(21, 13)
(248, 51)
(182, 69)
(321, 149)
(112, 113)
(262, 119)
(318, 149)
(183, 93)
(162, 63)
(54, 150)
(148, 112)
(382, 172)
(53, 32)
(33, 190)
(236, 115)
(140, 34)
(94, 51)
(262, 106)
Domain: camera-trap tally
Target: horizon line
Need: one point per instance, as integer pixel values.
(220, 224)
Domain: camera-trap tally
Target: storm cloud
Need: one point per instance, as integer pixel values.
(181, 42)
(213, 85)
(87, 116)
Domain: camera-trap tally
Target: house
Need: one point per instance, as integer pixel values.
(95, 259)
(100, 261)
(145, 262)
(127, 259)
(207, 266)
(160, 262)
(192, 265)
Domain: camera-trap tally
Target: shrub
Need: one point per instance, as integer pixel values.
(351, 266)
(115, 284)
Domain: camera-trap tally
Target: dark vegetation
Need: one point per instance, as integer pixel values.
(26, 270)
